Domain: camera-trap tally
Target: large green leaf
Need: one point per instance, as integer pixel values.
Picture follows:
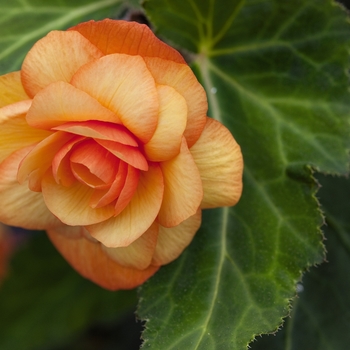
(321, 314)
(22, 22)
(275, 74)
(43, 301)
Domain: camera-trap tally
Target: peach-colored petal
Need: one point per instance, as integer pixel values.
(39, 159)
(182, 79)
(72, 204)
(183, 188)
(129, 154)
(20, 206)
(61, 102)
(166, 141)
(139, 253)
(93, 263)
(124, 85)
(11, 89)
(139, 214)
(15, 133)
(172, 241)
(100, 130)
(56, 57)
(126, 37)
(220, 163)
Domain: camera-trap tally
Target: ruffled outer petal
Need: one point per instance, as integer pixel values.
(126, 37)
(172, 241)
(11, 89)
(56, 57)
(183, 191)
(61, 102)
(166, 141)
(139, 253)
(124, 85)
(139, 214)
(20, 206)
(220, 163)
(15, 133)
(181, 78)
(92, 262)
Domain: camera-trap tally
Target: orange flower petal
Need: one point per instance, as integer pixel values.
(137, 217)
(126, 37)
(20, 206)
(93, 263)
(39, 159)
(220, 163)
(182, 79)
(172, 241)
(72, 204)
(139, 253)
(15, 133)
(124, 85)
(61, 102)
(183, 188)
(11, 89)
(166, 141)
(56, 57)
(100, 130)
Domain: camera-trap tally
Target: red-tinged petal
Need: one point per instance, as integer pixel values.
(183, 191)
(220, 163)
(15, 133)
(182, 79)
(128, 191)
(20, 206)
(93, 165)
(172, 241)
(56, 57)
(100, 198)
(126, 37)
(71, 204)
(129, 154)
(61, 168)
(124, 85)
(93, 263)
(39, 159)
(137, 217)
(166, 141)
(11, 89)
(61, 102)
(139, 253)
(100, 130)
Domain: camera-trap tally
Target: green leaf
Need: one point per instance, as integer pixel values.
(22, 23)
(275, 75)
(321, 314)
(43, 301)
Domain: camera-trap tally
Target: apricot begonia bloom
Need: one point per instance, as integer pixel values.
(106, 145)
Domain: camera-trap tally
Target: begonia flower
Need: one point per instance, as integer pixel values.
(106, 145)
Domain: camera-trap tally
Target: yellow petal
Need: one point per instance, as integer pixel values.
(56, 57)
(139, 253)
(72, 204)
(15, 133)
(220, 163)
(137, 217)
(61, 103)
(11, 89)
(124, 85)
(20, 206)
(181, 78)
(183, 188)
(92, 262)
(172, 241)
(166, 141)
